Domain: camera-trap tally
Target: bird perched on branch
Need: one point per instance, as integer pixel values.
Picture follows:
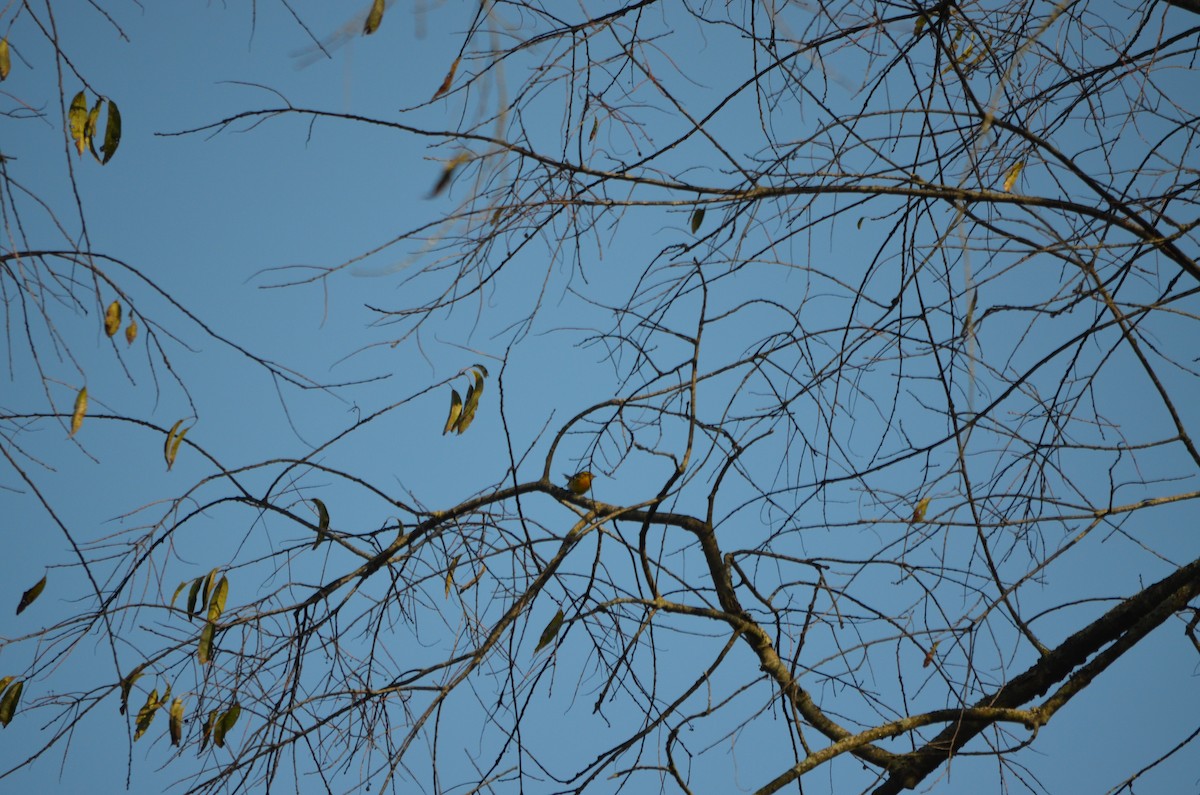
(580, 482)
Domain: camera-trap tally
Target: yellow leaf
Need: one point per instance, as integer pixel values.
(919, 511)
(77, 121)
(81, 401)
(206, 731)
(9, 701)
(127, 685)
(176, 724)
(374, 17)
(131, 330)
(322, 522)
(29, 596)
(471, 403)
(172, 445)
(5, 59)
(550, 632)
(112, 318)
(450, 574)
(455, 411)
(1010, 177)
(448, 81)
(145, 715)
(89, 127)
(209, 581)
(216, 605)
(167, 443)
(178, 591)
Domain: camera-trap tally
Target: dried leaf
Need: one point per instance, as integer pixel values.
(9, 701)
(176, 724)
(449, 79)
(29, 596)
(5, 59)
(77, 120)
(448, 173)
(919, 512)
(595, 129)
(131, 330)
(81, 401)
(374, 17)
(929, 654)
(550, 632)
(1010, 177)
(112, 318)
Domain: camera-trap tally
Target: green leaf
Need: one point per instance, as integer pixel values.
(374, 17)
(204, 647)
(192, 594)
(225, 723)
(29, 596)
(9, 701)
(112, 133)
(550, 632)
(697, 219)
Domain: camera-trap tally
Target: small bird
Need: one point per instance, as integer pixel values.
(580, 482)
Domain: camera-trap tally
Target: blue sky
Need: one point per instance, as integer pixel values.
(212, 219)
